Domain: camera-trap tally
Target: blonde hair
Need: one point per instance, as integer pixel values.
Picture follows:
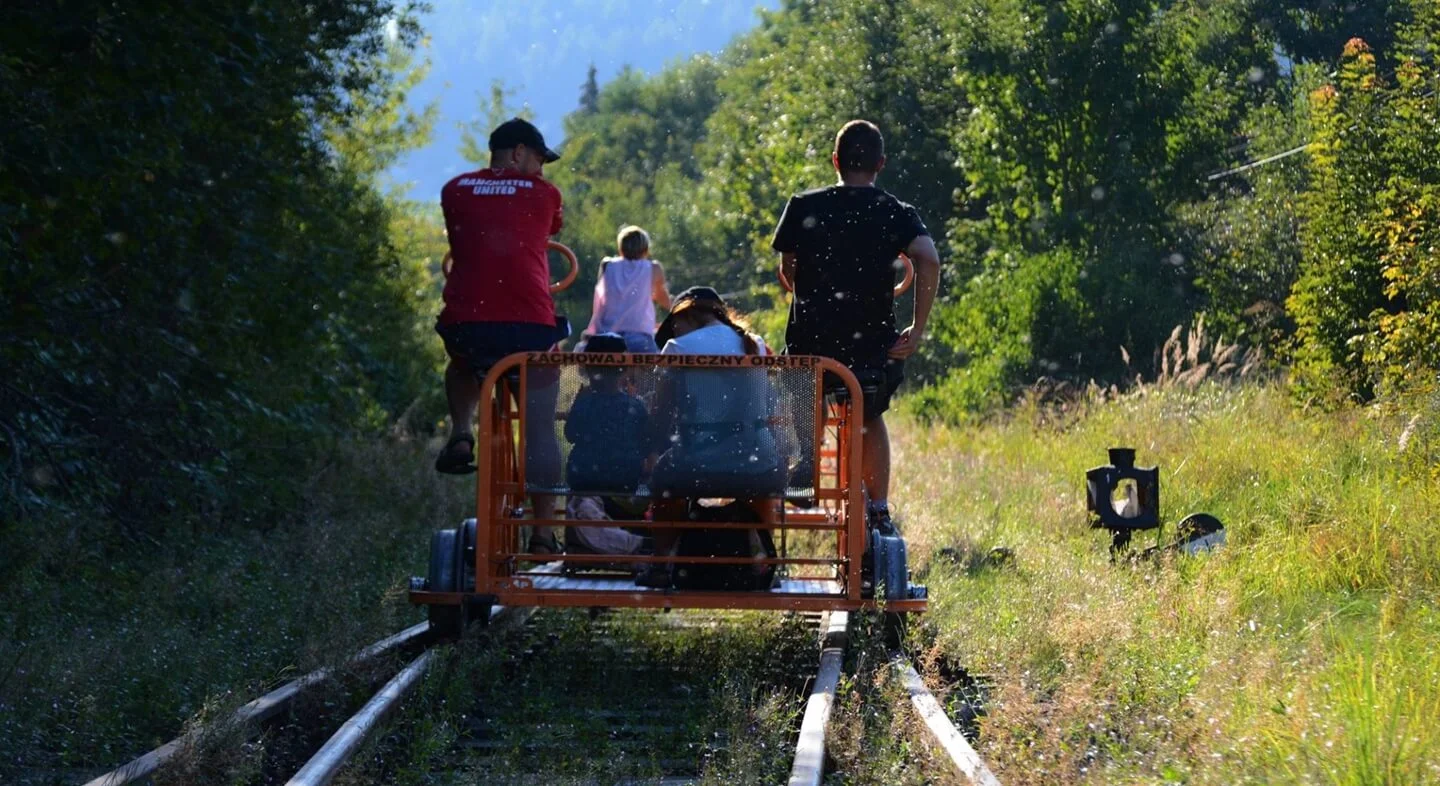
(632, 242)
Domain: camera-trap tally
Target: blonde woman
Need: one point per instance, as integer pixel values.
(631, 285)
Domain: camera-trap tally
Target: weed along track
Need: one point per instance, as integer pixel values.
(628, 696)
(576, 696)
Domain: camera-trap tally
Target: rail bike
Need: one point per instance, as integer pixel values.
(751, 475)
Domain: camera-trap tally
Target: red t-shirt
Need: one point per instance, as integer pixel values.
(499, 222)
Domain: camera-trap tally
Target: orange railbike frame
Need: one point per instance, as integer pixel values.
(501, 490)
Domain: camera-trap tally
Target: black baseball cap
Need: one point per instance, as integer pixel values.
(682, 301)
(518, 131)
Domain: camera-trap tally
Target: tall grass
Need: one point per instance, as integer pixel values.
(1305, 650)
(111, 643)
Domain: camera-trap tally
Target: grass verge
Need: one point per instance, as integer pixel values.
(112, 643)
(1304, 651)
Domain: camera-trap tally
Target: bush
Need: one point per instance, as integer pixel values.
(1367, 304)
(197, 288)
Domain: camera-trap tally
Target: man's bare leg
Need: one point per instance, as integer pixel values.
(544, 505)
(875, 467)
(875, 459)
(462, 393)
(542, 452)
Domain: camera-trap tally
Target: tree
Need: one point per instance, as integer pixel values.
(1316, 30)
(631, 161)
(494, 110)
(379, 127)
(590, 93)
(1367, 303)
(197, 285)
(790, 85)
(1085, 124)
(1245, 235)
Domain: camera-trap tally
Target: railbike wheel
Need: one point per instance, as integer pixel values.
(442, 576)
(472, 611)
(892, 626)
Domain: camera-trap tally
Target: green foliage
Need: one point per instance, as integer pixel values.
(1246, 233)
(792, 84)
(1030, 313)
(417, 235)
(1087, 124)
(494, 110)
(107, 657)
(1059, 147)
(1406, 344)
(632, 161)
(198, 285)
(1074, 134)
(705, 153)
(1315, 30)
(202, 279)
(1365, 303)
(378, 127)
(590, 93)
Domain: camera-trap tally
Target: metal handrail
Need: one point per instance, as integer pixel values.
(556, 288)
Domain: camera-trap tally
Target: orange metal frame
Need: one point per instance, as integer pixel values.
(500, 491)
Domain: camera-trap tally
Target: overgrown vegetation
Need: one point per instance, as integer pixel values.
(200, 286)
(1300, 652)
(206, 298)
(630, 696)
(1368, 297)
(105, 658)
(214, 315)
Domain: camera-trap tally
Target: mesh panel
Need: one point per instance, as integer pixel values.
(670, 426)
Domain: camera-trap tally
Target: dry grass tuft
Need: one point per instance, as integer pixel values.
(1191, 356)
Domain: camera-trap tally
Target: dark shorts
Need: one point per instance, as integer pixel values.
(481, 345)
(878, 383)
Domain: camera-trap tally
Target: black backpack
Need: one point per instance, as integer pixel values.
(728, 542)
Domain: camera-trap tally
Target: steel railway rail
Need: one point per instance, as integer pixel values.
(637, 724)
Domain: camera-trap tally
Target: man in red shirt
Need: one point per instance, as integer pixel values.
(497, 299)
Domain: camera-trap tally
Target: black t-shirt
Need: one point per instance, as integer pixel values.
(846, 240)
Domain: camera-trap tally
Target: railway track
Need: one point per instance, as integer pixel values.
(653, 705)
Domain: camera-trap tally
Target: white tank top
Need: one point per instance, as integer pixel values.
(624, 301)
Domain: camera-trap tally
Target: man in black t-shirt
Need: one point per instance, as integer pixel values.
(839, 247)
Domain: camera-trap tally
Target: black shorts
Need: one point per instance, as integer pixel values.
(481, 345)
(878, 382)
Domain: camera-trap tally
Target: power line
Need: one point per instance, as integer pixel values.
(1262, 162)
(1296, 150)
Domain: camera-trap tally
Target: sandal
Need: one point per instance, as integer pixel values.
(451, 462)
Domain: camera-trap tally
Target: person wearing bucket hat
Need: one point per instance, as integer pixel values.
(702, 307)
(710, 429)
(498, 221)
